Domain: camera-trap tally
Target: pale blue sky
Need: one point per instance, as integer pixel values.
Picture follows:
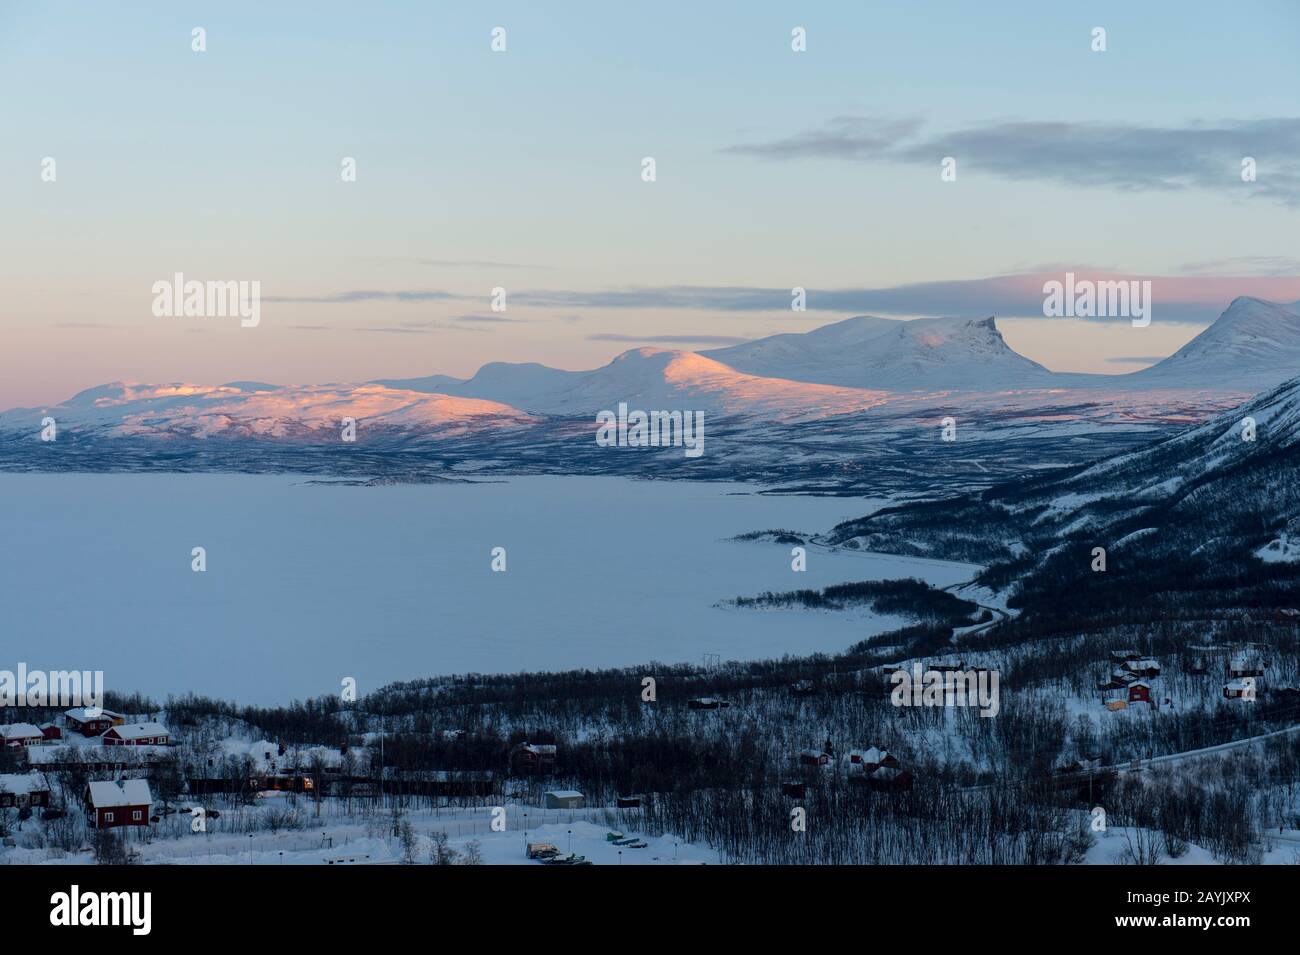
(225, 165)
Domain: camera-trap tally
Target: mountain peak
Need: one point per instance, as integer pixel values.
(1254, 343)
(869, 352)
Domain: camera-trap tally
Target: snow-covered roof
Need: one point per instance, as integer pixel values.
(81, 714)
(541, 749)
(105, 794)
(139, 730)
(1144, 664)
(299, 757)
(23, 783)
(20, 731)
(870, 755)
(564, 793)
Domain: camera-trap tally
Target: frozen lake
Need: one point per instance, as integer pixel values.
(308, 584)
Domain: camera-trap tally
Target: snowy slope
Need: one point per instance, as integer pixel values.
(1254, 344)
(868, 362)
(126, 409)
(1226, 487)
(650, 379)
(868, 352)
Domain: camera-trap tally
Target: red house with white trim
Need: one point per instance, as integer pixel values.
(110, 805)
(91, 721)
(21, 734)
(19, 790)
(136, 734)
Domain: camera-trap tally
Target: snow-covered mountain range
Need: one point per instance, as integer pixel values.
(653, 378)
(926, 354)
(1253, 345)
(854, 404)
(256, 410)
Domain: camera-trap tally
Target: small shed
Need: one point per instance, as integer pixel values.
(562, 799)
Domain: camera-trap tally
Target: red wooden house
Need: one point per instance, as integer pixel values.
(18, 790)
(110, 805)
(20, 735)
(814, 757)
(888, 779)
(91, 721)
(870, 759)
(136, 734)
(533, 758)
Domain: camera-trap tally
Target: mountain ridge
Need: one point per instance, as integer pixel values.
(1251, 346)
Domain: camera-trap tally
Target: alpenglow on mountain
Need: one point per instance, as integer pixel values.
(864, 365)
(930, 354)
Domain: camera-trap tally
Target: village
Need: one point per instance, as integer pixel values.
(172, 784)
(96, 784)
(1136, 677)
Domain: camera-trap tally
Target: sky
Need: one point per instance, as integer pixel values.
(523, 170)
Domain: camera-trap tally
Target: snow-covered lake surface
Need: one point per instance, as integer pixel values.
(308, 584)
